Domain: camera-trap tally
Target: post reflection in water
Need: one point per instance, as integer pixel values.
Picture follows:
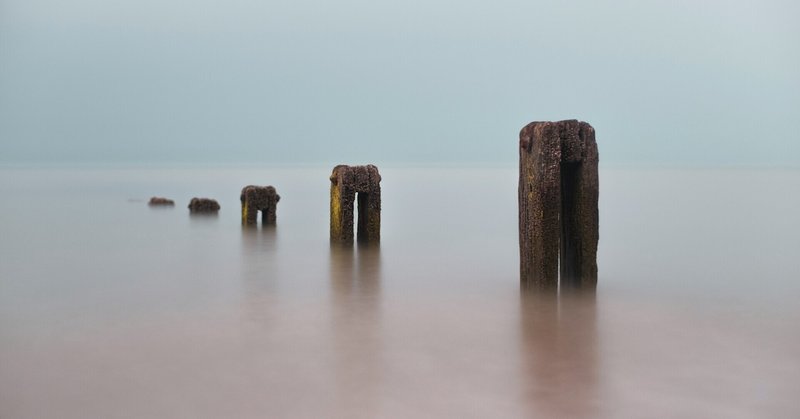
(199, 217)
(355, 279)
(256, 240)
(259, 268)
(559, 354)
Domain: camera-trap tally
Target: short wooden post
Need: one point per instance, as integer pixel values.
(351, 185)
(203, 205)
(259, 198)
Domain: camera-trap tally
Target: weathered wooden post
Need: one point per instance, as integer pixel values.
(259, 198)
(348, 185)
(203, 206)
(558, 193)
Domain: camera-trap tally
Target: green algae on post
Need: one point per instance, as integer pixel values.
(351, 184)
(259, 198)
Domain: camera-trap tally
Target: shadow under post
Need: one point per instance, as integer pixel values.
(558, 346)
(355, 284)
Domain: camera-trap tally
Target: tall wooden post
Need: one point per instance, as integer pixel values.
(558, 214)
(351, 185)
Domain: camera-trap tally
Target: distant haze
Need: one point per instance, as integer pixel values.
(678, 83)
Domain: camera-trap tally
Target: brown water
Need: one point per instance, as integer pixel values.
(110, 309)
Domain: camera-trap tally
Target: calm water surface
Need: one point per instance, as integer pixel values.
(111, 309)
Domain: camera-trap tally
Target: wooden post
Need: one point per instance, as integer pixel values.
(259, 198)
(558, 215)
(203, 205)
(351, 185)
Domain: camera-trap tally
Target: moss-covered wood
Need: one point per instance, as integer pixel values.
(350, 186)
(259, 198)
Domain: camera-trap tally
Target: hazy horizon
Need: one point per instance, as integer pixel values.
(161, 82)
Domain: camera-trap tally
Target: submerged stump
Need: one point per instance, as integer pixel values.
(558, 215)
(203, 205)
(259, 198)
(351, 184)
(157, 201)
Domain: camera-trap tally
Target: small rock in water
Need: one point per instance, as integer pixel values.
(203, 205)
(159, 201)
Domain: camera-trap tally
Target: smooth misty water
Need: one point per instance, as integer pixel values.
(111, 309)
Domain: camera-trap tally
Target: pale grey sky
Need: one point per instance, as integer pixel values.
(452, 81)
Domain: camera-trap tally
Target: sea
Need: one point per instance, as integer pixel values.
(110, 308)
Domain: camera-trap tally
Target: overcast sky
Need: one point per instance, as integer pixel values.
(415, 81)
